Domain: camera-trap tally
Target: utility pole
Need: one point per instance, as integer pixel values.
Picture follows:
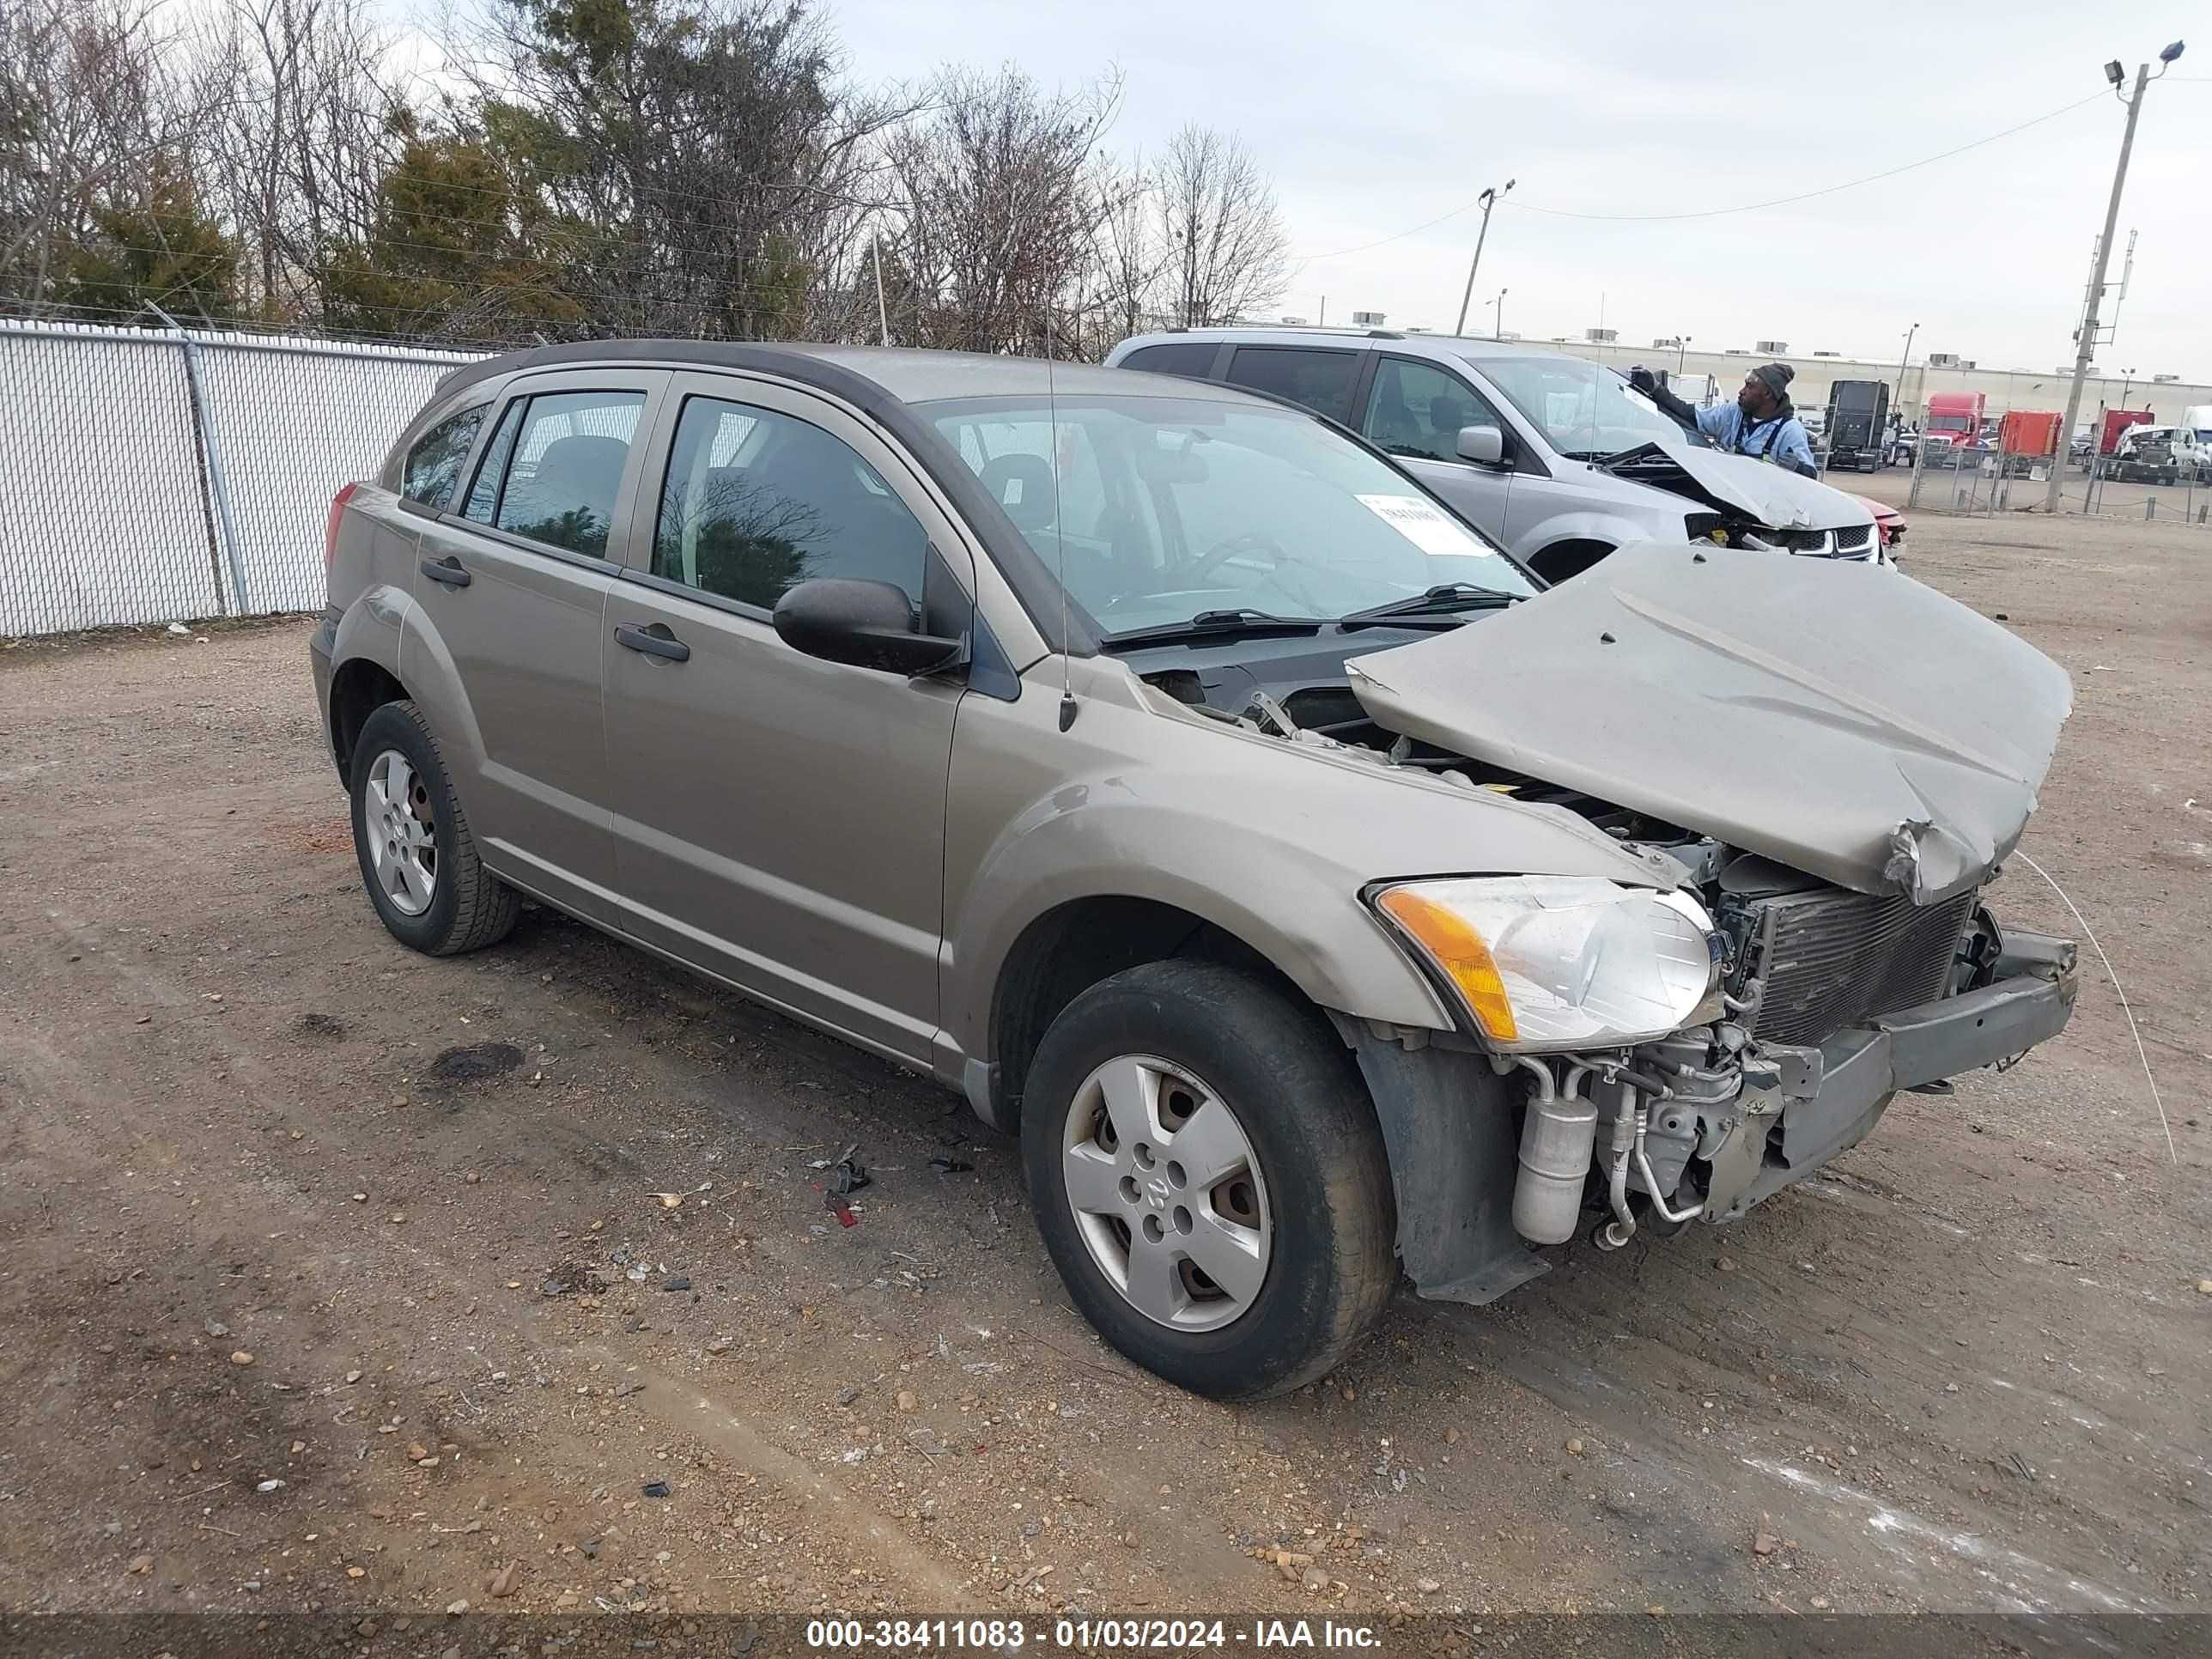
(2086, 344)
(1497, 321)
(883, 317)
(1903, 362)
(1489, 200)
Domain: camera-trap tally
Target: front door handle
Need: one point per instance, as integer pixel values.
(448, 570)
(654, 642)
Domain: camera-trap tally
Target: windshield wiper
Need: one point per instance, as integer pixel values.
(1442, 599)
(1210, 623)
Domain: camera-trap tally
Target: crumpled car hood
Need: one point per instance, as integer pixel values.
(1771, 494)
(1841, 719)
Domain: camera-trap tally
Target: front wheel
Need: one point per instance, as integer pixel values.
(1209, 1178)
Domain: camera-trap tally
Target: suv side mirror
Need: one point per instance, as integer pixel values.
(864, 624)
(1483, 444)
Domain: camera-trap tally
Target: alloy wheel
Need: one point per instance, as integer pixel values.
(1168, 1194)
(401, 832)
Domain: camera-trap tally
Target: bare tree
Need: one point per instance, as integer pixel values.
(1127, 255)
(87, 101)
(309, 118)
(1001, 215)
(1227, 252)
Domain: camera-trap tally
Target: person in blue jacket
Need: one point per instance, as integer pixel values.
(1762, 422)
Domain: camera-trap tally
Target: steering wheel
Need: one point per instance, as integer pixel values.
(1221, 552)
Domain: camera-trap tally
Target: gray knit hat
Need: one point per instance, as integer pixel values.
(1776, 378)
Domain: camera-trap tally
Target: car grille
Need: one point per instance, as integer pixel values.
(1796, 541)
(1853, 537)
(1832, 958)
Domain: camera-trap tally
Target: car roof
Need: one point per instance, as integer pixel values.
(1473, 347)
(905, 374)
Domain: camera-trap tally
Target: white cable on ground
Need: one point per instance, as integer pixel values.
(2090, 933)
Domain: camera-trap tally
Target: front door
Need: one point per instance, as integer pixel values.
(510, 591)
(780, 820)
(1414, 410)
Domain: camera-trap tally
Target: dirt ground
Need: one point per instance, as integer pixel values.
(335, 1278)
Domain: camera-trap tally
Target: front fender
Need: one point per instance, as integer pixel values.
(1271, 841)
(1582, 526)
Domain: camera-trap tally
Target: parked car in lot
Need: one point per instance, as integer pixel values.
(1318, 898)
(1889, 523)
(1556, 459)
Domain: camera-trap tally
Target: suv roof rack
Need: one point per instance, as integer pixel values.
(1384, 334)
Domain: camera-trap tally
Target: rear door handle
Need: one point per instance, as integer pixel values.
(654, 642)
(448, 570)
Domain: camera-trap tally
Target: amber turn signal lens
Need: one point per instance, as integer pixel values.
(1458, 952)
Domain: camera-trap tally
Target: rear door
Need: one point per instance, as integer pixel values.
(780, 820)
(510, 592)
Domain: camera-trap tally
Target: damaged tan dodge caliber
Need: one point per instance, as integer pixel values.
(1322, 899)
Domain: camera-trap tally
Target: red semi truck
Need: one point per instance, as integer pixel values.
(1955, 416)
(2117, 422)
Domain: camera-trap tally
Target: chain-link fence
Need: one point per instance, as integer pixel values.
(155, 474)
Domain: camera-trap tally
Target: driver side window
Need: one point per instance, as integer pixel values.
(1417, 409)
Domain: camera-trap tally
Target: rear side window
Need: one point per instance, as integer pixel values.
(755, 501)
(1322, 380)
(435, 461)
(564, 469)
(1194, 358)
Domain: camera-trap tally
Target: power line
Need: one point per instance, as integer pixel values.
(1710, 213)
(1826, 190)
(1396, 236)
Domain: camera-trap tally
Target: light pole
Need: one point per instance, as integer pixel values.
(2085, 344)
(1489, 200)
(1498, 320)
(1903, 363)
(1682, 351)
(2127, 380)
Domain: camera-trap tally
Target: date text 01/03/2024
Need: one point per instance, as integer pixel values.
(1089, 1634)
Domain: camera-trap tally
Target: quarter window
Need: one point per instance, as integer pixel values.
(435, 461)
(565, 468)
(1417, 410)
(755, 501)
(1191, 358)
(1322, 380)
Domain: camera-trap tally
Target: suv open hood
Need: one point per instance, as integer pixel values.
(1736, 484)
(1840, 719)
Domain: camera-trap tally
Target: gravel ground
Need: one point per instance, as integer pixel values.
(336, 1278)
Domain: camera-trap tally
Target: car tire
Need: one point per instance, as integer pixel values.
(1248, 1143)
(418, 859)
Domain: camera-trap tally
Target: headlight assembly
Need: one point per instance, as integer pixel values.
(1544, 964)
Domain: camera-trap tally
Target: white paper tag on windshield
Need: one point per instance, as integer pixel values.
(1420, 523)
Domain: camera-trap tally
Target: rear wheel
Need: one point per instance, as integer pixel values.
(418, 859)
(1209, 1178)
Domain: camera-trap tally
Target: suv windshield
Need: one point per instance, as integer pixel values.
(1585, 412)
(1154, 510)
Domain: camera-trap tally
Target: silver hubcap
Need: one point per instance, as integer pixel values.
(1167, 1194)
(403, 842)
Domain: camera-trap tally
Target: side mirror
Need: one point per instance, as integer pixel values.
(1483, 444)
(862, 624)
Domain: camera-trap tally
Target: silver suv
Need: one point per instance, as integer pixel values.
(1320, 900)
(1556, 458)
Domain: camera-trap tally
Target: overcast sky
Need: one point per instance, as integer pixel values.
(1374, 118)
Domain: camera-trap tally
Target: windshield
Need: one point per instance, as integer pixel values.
(1949, 423)
(1154, 510)
(1586, 411)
